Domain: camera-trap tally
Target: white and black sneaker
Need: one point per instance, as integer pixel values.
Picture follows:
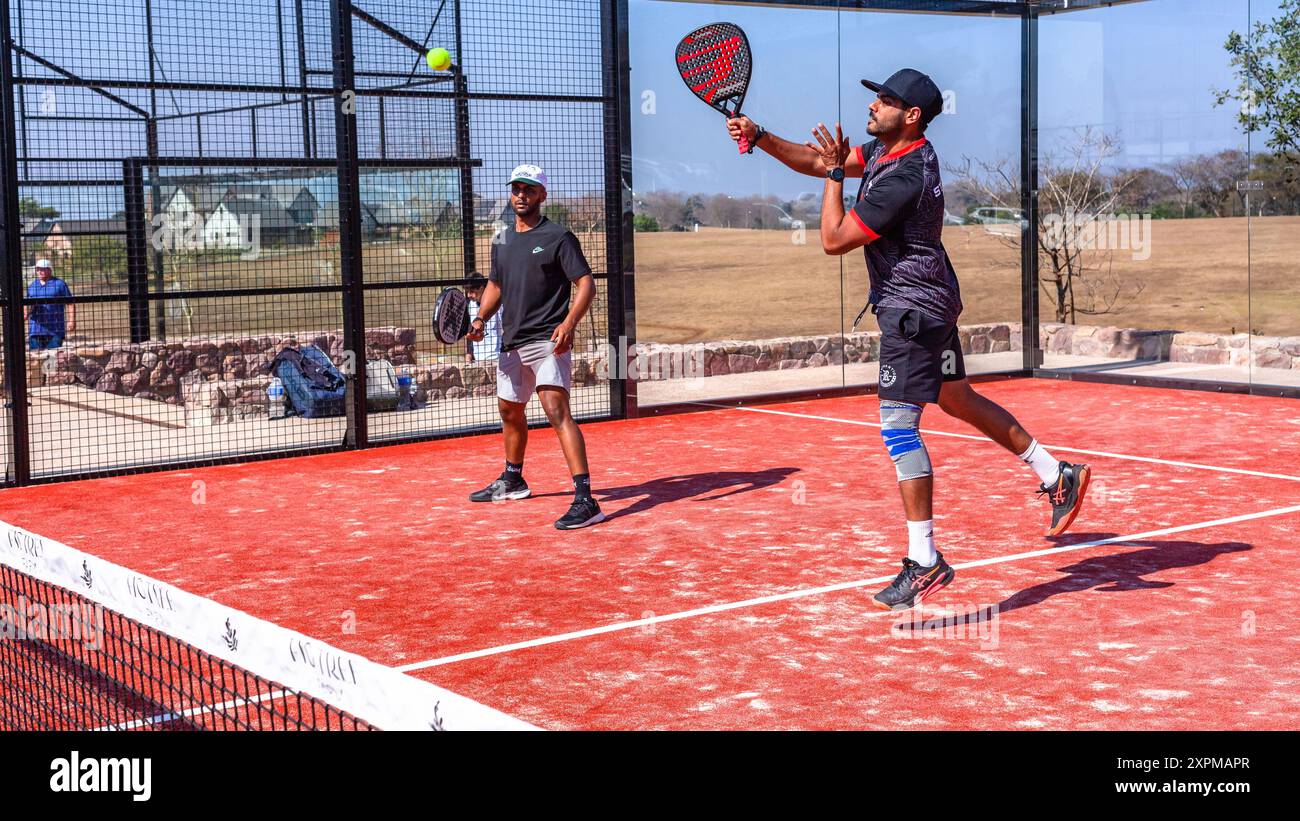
(583, 512)
(503, 488)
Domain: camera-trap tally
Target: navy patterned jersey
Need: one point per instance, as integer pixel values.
(900, 206)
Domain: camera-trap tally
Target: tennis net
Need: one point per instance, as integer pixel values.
(86, 644)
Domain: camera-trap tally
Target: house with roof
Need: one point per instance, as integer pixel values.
(62, 233)
(33, 232)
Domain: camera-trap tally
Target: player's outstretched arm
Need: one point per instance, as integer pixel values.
(798, 157)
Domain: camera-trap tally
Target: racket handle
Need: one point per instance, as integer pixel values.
(744, 144)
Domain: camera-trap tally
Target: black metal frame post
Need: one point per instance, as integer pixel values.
(302, 80)
(349, 192)
(1031, 349)
(137, 250)
(461, 88)
(619, 256)
(11, 256)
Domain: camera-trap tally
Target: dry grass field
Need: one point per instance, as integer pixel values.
(741, 284)
(738, 284)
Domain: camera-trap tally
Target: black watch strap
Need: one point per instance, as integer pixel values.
(757, 136)
(836, 174)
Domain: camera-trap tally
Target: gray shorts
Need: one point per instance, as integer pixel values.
(522, 371)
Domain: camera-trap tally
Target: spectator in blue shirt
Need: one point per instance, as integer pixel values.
(46, 324)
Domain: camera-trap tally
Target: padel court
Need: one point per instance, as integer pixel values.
(731, 586)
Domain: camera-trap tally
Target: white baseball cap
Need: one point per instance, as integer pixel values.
(43, 263)
(531, 174)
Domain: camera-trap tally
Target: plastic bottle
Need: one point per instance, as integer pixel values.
(404, 401)
(275, 398)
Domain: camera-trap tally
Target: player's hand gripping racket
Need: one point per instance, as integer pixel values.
(714, 62)
(451, 316)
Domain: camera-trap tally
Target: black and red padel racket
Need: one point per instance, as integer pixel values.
(714, 61)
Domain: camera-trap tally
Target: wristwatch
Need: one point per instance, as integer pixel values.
(836, 174)
(757, 136)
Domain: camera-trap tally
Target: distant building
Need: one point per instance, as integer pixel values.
(63, 232)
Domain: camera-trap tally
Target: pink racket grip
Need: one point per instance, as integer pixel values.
(744, 144)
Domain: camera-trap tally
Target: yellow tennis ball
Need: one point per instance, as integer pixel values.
(439, 59)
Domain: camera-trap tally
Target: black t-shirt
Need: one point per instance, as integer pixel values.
(900, 206)
(534, 270)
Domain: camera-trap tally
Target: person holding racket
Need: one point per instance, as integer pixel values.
(898, 220)
(536, 264)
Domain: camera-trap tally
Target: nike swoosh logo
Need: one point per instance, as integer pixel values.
(537, 250)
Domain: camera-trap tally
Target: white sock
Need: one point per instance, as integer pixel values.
(920, 543)
(1043, 463)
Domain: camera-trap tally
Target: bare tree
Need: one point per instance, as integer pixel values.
(1075, 192)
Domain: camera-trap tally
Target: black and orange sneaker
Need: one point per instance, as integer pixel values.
(914, 584)
(1066, 495)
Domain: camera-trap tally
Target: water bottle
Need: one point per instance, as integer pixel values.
(404, 402)
(275, 398)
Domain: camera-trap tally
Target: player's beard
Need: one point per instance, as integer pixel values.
(526, 211)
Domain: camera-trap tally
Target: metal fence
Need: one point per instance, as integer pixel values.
(213, 182)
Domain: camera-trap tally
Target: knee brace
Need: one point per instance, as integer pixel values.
(899, 425)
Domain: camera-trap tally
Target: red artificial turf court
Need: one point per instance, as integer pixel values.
(731, 585)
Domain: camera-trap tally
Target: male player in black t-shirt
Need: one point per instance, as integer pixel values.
(898, 217)
(536, 264)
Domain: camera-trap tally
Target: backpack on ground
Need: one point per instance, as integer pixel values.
(313, 387)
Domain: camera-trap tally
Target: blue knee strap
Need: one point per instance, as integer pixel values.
(899, 426)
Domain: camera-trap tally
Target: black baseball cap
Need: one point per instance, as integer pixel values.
(913, 88)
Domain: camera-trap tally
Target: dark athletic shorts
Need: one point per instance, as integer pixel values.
(918, 353)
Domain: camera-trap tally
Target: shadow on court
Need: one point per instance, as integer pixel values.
(694, 487)
(1117, 573)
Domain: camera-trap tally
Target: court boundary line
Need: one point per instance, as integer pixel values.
(817, 591)
(980, 438)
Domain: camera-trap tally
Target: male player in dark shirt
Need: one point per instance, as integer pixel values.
(536, 264)
(898, 217)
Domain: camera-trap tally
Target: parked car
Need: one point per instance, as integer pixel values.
(997, 220)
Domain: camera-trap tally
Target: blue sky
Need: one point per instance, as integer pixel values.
(1143, 72)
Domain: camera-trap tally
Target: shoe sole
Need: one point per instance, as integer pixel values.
(922, 596)
(594, 520)
(505, 497)
(1085, 476)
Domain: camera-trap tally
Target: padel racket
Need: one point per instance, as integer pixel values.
(451, 316)
(714, 62)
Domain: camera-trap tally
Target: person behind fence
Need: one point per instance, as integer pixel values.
(537, 265)
(49, 323)
(897, 218)
(487, 348)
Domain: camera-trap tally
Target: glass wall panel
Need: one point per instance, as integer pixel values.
(1145, 239)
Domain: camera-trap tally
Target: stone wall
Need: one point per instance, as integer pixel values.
(157, 370)
(226, 379)
(1230, 350)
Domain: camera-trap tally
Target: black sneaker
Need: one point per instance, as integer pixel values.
(581, 513)
(1066, 496)
(914, 584)
(501, 489)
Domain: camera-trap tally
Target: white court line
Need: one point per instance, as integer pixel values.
(1061, 448)
(817, 591)
(163, 718)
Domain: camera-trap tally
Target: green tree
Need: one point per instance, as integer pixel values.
(1266, 62)
(644, 222)
(29, 207)
(556, 212)
(98, 255)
